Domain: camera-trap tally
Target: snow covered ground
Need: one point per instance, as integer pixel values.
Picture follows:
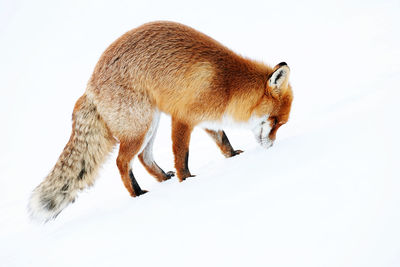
(326, 194)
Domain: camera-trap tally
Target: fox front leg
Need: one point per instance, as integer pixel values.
(180, 146)
(223, 143)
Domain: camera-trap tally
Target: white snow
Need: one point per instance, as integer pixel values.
(326, 194)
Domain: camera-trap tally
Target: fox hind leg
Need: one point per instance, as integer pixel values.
(131, 116)
(223, 143)
(146, 156)
(127, 150)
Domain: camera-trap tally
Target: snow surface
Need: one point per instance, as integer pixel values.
(326, 194)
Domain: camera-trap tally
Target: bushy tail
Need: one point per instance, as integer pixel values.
(76, 168)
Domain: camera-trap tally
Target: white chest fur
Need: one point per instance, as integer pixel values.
(228, 122)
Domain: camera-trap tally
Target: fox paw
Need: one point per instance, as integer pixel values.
(184, 178)
(165, 176)
(236, 152)
(170, 174)
(142, 192)
(139, 193)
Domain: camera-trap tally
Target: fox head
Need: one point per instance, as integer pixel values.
(274, 108)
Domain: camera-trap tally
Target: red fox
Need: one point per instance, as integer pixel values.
(162, 67)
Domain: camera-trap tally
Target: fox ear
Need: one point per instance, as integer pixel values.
(279, 79)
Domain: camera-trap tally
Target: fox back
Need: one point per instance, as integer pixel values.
(183, 72)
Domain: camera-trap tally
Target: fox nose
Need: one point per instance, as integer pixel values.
(267, 143)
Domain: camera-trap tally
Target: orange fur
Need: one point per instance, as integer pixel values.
(169, 67)
(172, 68)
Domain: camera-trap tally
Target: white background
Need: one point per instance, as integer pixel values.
(326, 194)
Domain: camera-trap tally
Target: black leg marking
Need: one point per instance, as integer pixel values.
(136, 188)
(223, 143)
(187, 161)
(226, 143)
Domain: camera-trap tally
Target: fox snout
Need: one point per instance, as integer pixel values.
(266, 143)
(262, 133)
